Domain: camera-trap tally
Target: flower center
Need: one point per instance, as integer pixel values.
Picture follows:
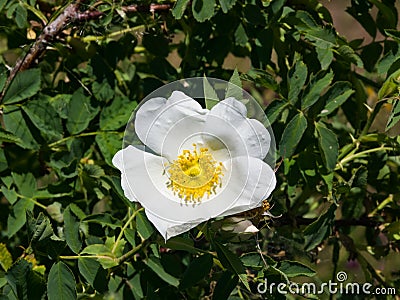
(194, 174)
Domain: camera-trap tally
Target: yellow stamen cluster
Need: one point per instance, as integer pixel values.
(194, 174)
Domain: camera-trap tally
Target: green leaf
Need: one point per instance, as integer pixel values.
(60, 103)
(179, 8)
(360, 11)
(294, 268)
(71, 230)
(350, 55)
(181, 243)
(241, 37)
(17, 277)
(15, 123)
(104, 220)
(144, 228)
(26, 183)
(8, 137)
(20, 16)
(10, 194)
(77, 211)
(263, 78)
(198, 269)
(17, 216)
(230, 261)
(226, 5)
(102, 91)
(130, 235)
(61, 283)
(235, 87)
(394, 34)
(325, 57)
(94, 171)
(155, 264)
(102, 254)
(3, 161)
(254, 260)
(6, 259)
(390, 86)
(80, 112)
(337, 94)
(93, 273)
(275, 109)
(319, 230)
(315, 89)
(41, 228)
(292, 135)
(394, 117)
(137, 291)
(117, 114)
(97, 249)
(225, 285)
(297, 78)
(328, 145)
(109, 144)
(44, 117)
(210, 95)
(318, 35)
(203, 9)
(25, 85)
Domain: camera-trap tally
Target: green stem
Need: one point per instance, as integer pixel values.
(91, 38)
(81, 135)
(118, 260)
(86, 256)
(362, 153)
(381, 205)
(130, 253)
(371, 118)
(32, 200)
(38, 203)
(123, 229)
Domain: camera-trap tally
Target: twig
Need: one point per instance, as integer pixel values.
(49, 33)
(70, 15)
(146, 8)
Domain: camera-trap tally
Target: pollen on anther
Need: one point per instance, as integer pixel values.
(194, 174)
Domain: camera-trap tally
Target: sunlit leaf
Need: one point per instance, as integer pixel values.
(203, 9)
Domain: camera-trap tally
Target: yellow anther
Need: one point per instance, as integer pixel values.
(193, 175)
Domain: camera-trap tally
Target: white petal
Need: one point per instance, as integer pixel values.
(155, 118)
(251, 180)
(242, 136)
(168, 228)
(182, 135)
(133, 162)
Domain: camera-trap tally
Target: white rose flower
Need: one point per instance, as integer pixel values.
(202, 164)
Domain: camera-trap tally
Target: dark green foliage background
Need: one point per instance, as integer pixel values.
(67, 230)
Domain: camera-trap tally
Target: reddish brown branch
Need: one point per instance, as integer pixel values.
(70, 15)
(146, 8)
(39, 46)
